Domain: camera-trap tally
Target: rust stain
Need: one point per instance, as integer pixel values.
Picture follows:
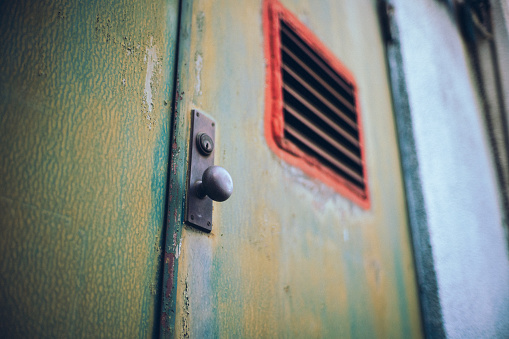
(169, 259)
(164, 320)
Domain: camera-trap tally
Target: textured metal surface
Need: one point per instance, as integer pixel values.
(288, 256)
(199, 207)
(85, 89)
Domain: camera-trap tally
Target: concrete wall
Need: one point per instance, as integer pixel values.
(457, 172)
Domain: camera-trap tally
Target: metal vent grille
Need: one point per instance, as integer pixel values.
(312, 114)
(319, 109)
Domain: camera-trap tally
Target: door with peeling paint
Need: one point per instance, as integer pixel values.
(85, 93)
(288, 256)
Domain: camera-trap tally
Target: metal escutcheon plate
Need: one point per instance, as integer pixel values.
(199, 210)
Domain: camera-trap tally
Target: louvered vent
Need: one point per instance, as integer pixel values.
(314, 107)
(319, 109)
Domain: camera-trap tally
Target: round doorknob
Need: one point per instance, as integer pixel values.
(216, 183)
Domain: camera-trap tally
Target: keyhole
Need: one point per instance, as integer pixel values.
(205, 143)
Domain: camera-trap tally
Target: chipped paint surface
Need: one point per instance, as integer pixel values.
(151, 59)
(287, 256)
(82, 177)
(198, 67)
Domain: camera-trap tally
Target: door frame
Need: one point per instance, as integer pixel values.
(178, 156)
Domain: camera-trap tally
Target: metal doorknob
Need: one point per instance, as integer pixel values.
(216, 183)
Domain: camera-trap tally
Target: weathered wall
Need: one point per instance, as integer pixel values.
(287, 256)
(457, 173)
(83, 146)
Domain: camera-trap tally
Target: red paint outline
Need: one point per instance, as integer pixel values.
(274, 121)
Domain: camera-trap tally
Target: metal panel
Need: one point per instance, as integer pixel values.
(199, 209)
(84, 130)
(288, 256)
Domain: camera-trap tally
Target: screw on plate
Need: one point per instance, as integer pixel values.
(208, 223)
(205, 143)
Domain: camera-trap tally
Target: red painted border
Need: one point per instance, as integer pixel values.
(274, 123)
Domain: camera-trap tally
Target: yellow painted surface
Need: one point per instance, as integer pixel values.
(287, 256)
(84, 131)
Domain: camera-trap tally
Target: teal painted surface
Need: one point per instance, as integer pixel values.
(176, 177)
(287, 256)
(85, 96)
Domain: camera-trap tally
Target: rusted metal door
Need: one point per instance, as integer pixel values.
(288, 256)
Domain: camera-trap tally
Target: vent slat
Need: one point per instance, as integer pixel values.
(321, 98)
(349, 105)
(354, 158)
(288, 33)
(322, 116)
(321, 120)
(316, 148)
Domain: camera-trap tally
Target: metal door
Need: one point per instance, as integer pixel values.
(287, 256)
(85, 91)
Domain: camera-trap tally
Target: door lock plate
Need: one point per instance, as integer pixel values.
(199, 209)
